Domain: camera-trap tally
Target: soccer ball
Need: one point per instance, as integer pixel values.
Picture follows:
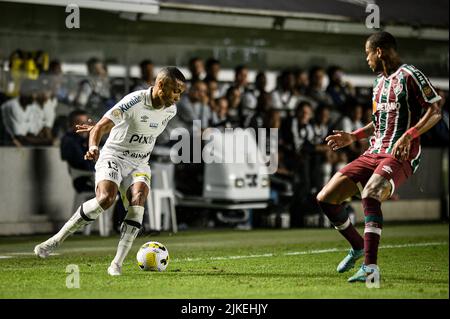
(153, 256)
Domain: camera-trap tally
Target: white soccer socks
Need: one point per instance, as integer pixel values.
(85, 214)
(129, 230)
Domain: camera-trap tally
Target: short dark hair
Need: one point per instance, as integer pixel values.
(172, 73)
(210, 62)
(383, 40)
(301, 105)
(239, 68)
(74, 114)
(144, 63)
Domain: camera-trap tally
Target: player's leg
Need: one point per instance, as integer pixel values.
(136, 195)
(388, 175)
(107, 177)
(344, 184)
(330, 200)
(376, 191)
(87, 213)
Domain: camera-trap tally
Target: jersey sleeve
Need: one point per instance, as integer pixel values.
(421, 87)
(124, 108)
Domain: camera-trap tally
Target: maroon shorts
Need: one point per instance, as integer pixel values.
(362, 168)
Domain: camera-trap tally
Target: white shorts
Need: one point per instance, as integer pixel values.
(112, 168)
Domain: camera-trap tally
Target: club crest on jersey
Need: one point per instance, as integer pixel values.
(116, 114)
(144, 119)
(398, 88)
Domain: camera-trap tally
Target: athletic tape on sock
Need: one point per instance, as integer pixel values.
(91, 209)
(344, 225)
(134, 216)
(374, 230)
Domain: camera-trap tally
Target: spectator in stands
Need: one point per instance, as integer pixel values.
(241, 78)
(197, 69)
(250, 97)
(220, 115)
(299, 138)
(321, 166)
(194, 106)
(147, 75)
(351, 122)
(259, 117)
(285, 97)
(316, 89)
(212, 68)
(44, 111)
(234, 98)
(301, 81)
(94, 92)
(74, 146)
(213, 94)
(339, 91)
(19, 114)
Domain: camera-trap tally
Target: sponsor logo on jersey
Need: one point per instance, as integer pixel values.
(144, 119)
(387, 169)
(144, 175)
(428, 91)
(164, 122)
(136, 155)
(141, 139)
(126, 106)
(387, 107)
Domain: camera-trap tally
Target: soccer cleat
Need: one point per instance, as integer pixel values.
(114, 269)
(349, 261)
(363, 272)
(44, 249)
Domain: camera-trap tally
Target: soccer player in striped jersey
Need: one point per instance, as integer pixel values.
(404, 107)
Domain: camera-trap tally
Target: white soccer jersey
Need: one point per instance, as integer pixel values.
(16, 120)
(137, 125)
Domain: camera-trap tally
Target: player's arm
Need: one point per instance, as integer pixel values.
(431, 117)
(103, 127)
(342, 139)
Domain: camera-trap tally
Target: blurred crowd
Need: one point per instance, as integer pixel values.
(41, 106)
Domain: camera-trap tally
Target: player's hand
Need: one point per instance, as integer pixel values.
(402, 148)
(81, 128)
(92, 155)
(339, 140)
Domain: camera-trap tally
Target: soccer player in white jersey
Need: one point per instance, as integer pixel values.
(134, 123)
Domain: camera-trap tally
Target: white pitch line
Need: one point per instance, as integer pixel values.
(293, 253)
(310, 252)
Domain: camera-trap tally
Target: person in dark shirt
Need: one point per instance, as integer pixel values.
(73, 147)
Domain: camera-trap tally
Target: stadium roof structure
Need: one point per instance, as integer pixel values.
(432, 13)
(407, 18)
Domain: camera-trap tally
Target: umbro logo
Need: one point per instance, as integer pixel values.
(387, 169)
(144, 119)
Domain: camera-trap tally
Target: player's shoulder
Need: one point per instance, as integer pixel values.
(410, 71)
(132, 100)
(171, 109)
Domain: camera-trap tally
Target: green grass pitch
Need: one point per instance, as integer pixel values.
(297, 263)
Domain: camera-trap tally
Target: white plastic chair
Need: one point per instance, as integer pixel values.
(80, 197)
(155, 201)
